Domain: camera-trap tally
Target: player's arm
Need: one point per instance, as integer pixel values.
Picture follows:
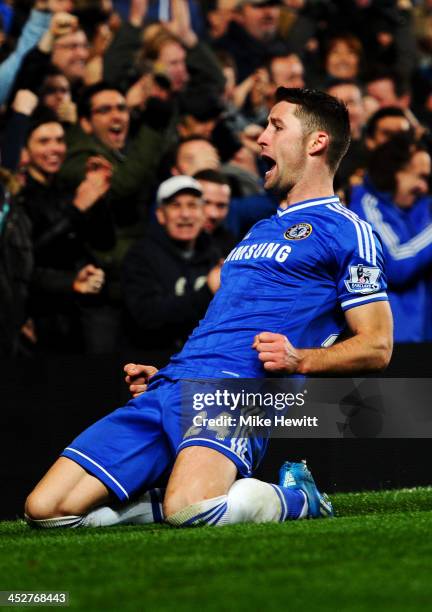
(138, 377)
(369, 348)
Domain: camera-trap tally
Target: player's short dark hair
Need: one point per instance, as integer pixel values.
(387, 111)
(87, 94)
(212, 176)
(318, 110)
(389, 158)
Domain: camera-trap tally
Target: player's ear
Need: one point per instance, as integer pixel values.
(318, 142)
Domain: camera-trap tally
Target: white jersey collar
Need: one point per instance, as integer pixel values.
(307, 203)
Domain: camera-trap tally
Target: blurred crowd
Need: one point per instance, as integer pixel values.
(130, 167)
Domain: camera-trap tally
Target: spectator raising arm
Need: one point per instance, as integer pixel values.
(120, 54)
(37, 24)
(39, 59)
(16, 128)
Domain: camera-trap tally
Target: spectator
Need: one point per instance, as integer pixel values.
(167, 52)
(170, 276)
(253, 96)
(219, 14)
(423, 32)
(343, 57)
(252, 37)
(395, 200)
(199, 115)
(286, 71)
(385, 89)
(55, 93)
(216, 195)
(353, 163)
(384, 29)
(350, 93)
(384, 124)
(63, 223)
(193, 154)
(172, 48)
(65, 46)
(103, 131)
(70, 53)
(196, 153)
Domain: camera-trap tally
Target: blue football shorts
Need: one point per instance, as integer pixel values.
(134, 448)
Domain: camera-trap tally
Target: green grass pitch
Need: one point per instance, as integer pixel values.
(376, 555)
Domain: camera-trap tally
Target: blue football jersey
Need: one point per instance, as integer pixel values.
(294, 274)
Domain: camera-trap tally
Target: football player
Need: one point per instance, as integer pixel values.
(286, 294)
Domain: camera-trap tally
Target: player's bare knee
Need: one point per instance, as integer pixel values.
(178, 501)
(174, 503)
(39, 507)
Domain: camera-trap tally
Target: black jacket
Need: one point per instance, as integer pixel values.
(224, 240)
(16, 265)
(62, 239)
(63, 235)
(165, 293)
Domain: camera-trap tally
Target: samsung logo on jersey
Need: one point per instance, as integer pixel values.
(268, 250)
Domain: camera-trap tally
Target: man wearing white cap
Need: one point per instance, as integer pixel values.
(171, 275)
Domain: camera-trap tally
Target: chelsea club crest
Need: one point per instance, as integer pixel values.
(299, 231)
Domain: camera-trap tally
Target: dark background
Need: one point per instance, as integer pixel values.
(46, 402)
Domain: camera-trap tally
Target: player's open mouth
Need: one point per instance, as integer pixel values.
(270, 163)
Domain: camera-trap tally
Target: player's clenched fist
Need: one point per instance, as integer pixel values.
(276, 352)
(138, 377)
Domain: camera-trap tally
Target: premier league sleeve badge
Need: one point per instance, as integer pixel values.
(363, 279)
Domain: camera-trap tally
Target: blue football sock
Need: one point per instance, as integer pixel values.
(294, 502)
